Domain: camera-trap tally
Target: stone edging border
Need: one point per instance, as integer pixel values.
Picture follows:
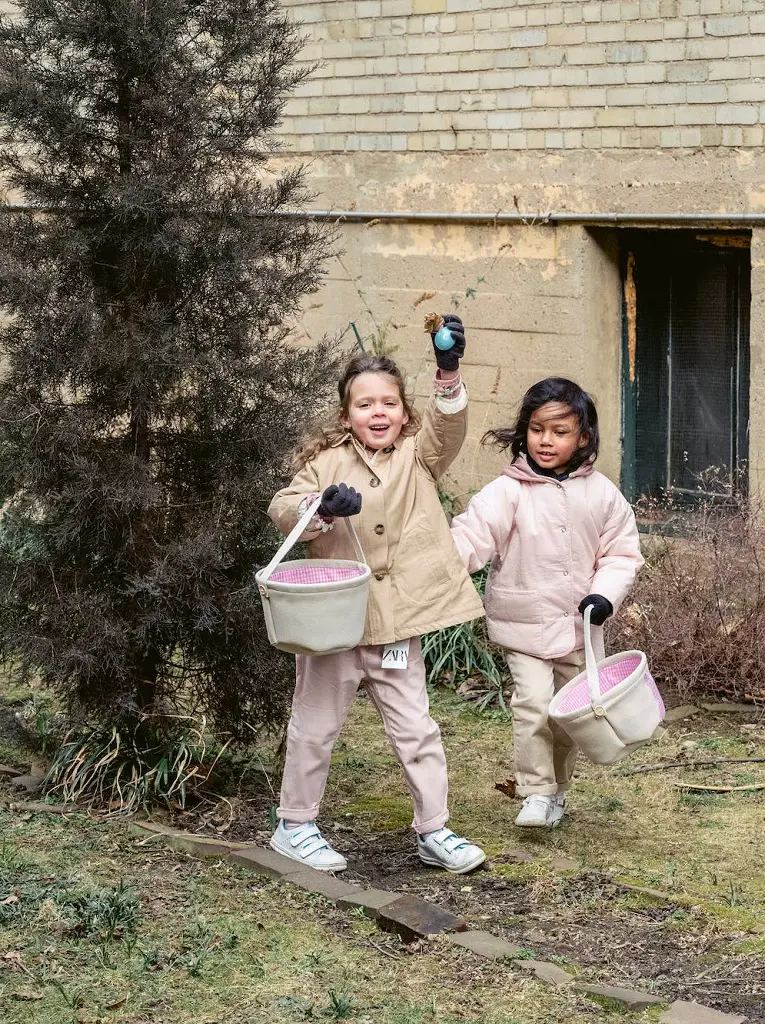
(414, 918)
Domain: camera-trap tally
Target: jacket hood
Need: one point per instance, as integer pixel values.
(521, 470)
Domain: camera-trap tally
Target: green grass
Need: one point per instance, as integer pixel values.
(180, 940)
(97, 923)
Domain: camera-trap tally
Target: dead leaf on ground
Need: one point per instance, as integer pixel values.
(117, 1003)
(507, 787)
(26, 995)
(8, 900)
(13, 960)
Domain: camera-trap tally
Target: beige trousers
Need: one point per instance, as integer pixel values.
(544, 754)
(325, 689)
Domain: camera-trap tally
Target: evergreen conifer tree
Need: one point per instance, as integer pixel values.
(148, 394)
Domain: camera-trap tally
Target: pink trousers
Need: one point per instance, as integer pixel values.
(325, 689)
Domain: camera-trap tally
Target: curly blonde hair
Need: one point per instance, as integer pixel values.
(330, 430)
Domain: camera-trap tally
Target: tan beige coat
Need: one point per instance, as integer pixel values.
(418, 580)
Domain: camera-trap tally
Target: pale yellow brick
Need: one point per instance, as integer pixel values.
(549, 98)
(644, 31)
(660, 117)
(566, 35)
(669, 138)
(722, 70)
(711, 135)
(579, 118)
(517, 140)
(540, 118)
(649, 138)
(631, 138)
(422, 44)
(568, 76)
(646, 73)
(609, 32)
(477, 61)
(753, 135)
(611, 138)
(611, 117)
(572, 139)
(736, 113)
(626, 96)
(688, 71)
(676, 29)
(428, 6)
(695, 114)
(732, 136)
(609, 74)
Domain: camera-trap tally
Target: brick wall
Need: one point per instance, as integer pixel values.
(414, 75)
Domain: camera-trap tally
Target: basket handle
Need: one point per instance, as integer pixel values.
(292, 539)
(590, 656)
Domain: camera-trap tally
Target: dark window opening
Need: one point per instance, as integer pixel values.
(685, 364)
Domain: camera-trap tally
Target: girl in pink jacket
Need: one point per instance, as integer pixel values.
(559, 536)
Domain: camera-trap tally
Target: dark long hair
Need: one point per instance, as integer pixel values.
(551, 389)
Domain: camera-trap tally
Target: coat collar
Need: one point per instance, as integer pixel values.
(348, 437)
(521, 470)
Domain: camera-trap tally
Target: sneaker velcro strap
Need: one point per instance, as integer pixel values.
(450, 842)
(309, 839)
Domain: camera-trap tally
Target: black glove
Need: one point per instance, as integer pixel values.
(450, 360)
(339, 500)
(601, 608)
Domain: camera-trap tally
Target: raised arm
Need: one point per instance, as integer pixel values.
(483, 529)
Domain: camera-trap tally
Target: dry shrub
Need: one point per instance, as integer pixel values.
(698, 605)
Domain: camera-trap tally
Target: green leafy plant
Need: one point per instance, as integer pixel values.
(106, 914)
(340, 1005)
(124, 767)
(458, 653)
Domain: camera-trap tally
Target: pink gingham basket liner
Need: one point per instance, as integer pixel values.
(609, 675)
(317, 574)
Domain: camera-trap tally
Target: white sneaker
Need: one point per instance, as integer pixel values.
(542, 811)
(307, 845)
(442, 849)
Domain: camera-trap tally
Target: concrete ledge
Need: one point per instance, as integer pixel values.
(681, 1012)
(265, 862)
(484, 944)
(628, 997)
(413, 918)
(371, 901)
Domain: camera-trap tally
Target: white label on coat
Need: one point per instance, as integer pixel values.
(396, 655)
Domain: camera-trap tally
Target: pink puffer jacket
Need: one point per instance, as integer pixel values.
(550, 544)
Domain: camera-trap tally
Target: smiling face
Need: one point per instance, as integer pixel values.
(375, 413)
(553, 436)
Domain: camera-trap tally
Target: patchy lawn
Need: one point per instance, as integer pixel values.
(91, 914)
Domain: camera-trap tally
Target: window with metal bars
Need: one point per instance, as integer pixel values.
(685, 364)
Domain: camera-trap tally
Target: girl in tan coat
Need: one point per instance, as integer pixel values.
(374, 461)
(559, 537)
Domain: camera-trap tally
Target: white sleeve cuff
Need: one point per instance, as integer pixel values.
(449, 406)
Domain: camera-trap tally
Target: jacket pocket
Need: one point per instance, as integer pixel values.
(505, 604)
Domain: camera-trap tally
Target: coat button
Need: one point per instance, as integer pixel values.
(565, 614)
(563, 529)
(381, 576)
(379, 529)
(374, 482)
(565, 572)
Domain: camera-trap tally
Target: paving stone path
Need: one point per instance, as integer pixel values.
(413, 918)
